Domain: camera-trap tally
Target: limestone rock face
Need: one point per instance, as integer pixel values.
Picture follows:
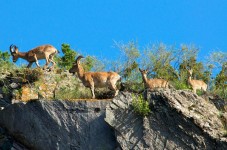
(42, 125)
(179, 120)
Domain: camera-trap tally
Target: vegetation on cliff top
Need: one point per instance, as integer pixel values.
(162, 61)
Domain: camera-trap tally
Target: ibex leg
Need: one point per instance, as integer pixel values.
(52, 61)
(36, 61)
(30, 64)
(113, 87)
(93, 91)
(47, 62)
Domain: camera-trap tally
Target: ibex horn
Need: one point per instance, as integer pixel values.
(11, 48)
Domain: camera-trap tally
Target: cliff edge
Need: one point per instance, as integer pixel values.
(178, 120)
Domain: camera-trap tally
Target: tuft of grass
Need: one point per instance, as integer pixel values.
(67, 94)
(225, 133)
(5, 90)
(31, 75)
(220, 114)
(200, 92)
(70, 88)
(179, 85)
(223, 121)
(220, 92)
(140, 105)
(27, 75)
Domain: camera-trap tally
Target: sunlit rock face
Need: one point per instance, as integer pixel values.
(179, 120)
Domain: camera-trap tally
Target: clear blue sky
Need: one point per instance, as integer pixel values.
(91, 26)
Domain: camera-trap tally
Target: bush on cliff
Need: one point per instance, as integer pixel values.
(140, 105)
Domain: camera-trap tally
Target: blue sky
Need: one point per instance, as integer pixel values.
(91, 26)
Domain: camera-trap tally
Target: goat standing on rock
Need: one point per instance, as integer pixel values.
(153, 83)
(95, 79)
(41, 52)
(196, 84)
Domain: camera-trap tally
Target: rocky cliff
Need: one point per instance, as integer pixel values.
(178, 120)
(59, 124)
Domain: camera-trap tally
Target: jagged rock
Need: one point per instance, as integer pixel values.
(220, 103)
(3, 103)
(179, 120)
(7, 142)
(59, 124)
(1, 96)
(14, 85)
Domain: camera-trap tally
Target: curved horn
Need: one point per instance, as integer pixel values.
(78, 58)
(11, 48)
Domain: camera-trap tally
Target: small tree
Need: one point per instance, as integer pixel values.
(5, 64)
(217, 62)
(4, 57)
(92, 63)
(158, 58)
(67, 60)
(221, 81)
(130, 55)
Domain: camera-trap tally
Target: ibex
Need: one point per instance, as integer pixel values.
(196, 84)
(41, 52)
(94, 80)
(153, 83)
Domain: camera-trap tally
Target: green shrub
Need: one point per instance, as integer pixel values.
(134, 87)
(222, 93)
(5, 65)
(5, 90)
(70, 88)
(220, 114)
(140, 105)
(28, 75)
(200, 92)
(70, 94)
(223, 121)
(68, 58)
(179, 85)
(225, 133)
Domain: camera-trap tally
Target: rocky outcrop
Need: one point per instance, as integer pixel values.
(42, 124)
(7, 142)
(179, 120)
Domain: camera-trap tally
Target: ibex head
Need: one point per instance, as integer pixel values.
(143, 72)
(14, 52)
(75, 65)
(190, 71)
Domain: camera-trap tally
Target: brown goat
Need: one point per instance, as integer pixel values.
(41, 52)
(153, 83)
(196, 84)
(94, 80)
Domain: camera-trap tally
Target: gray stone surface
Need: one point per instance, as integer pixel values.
(8, 143)
(43, 125)
(179, 120)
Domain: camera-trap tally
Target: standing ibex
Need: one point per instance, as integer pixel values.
(196, 84)
(41, 52)
(95, 79)
(153, 83)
